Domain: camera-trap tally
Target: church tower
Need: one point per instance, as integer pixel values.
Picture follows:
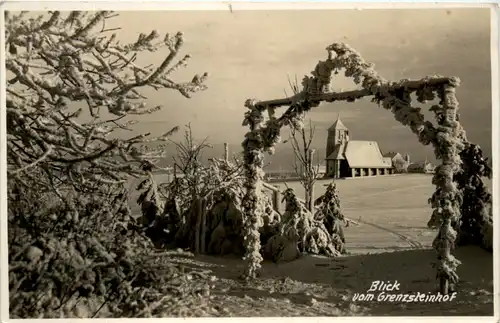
(338, 134)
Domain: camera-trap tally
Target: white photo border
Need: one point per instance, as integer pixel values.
(37, 5)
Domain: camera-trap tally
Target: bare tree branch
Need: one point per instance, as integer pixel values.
(308, 173)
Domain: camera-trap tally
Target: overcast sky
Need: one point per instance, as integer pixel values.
(249, 54)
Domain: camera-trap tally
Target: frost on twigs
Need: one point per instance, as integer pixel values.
(301, 141)
(74, 248)
(52, 63)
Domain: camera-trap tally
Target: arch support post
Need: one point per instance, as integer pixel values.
(253, 157)
(448, 198)
(263, 135)
(448, 139)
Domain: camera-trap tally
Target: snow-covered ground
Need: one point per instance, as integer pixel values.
(392, 242)
(392, 210)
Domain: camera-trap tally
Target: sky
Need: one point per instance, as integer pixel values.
(250, 54)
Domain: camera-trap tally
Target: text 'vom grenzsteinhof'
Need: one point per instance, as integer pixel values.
(389, 291)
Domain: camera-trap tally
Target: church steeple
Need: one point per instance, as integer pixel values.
(338, 125)
(338, 134)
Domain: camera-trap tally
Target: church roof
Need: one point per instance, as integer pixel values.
(365, 154)
(338, 125)
(361, 154)
(338, 152)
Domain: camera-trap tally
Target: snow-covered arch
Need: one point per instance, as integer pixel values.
(448, 139)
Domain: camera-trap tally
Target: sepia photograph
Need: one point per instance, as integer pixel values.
(248, 163)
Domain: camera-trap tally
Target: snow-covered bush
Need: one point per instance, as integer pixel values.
(220, 187)
(330, 213)
(476, 221)
(299, 232)
(86, 259)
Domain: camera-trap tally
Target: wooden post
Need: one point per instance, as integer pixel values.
(444, 286)
(311, 200)
(276, 200)
(311, 188)
(226, 152)
(198, 226)
(203, 226)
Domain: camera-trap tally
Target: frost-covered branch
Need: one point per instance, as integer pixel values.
(188, 161)
(55, 61)
(308, 173)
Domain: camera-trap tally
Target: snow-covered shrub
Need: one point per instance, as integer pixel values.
(299, 232)
(86, 258)
(330, 213)
(216, 188)
(476, 221)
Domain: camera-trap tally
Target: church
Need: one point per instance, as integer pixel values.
(353, 158)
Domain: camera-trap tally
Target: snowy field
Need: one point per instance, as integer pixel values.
(392, 242)
(392, 210)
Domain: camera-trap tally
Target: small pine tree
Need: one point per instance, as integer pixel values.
(330, 213)
(299, 232)
(476, 207)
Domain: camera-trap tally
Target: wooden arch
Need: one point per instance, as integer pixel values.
(448, 139)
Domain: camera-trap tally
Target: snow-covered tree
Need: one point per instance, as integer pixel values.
(331, 215)
(73, 249)
(56, 62)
